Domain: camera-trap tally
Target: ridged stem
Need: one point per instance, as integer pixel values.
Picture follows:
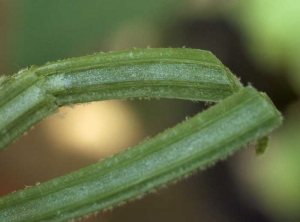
(31, 95)
(195, 144)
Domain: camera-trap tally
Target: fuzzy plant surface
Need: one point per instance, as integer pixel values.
(241, 115)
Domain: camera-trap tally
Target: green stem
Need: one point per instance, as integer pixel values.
(194, 144)
(28, 97)
(241, 116)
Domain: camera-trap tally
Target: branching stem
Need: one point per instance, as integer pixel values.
(242, 115)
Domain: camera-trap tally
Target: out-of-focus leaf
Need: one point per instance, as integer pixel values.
(51, 30)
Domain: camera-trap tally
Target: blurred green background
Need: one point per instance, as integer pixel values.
(257, 39)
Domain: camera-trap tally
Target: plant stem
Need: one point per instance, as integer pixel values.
(195, 144)
(33, 94)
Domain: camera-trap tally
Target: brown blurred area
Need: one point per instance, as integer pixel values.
(244, 35)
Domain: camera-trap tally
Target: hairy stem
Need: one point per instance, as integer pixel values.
(194, 144)
(33, 94)
(242, 115)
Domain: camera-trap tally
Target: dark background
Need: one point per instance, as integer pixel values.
(258, 40)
